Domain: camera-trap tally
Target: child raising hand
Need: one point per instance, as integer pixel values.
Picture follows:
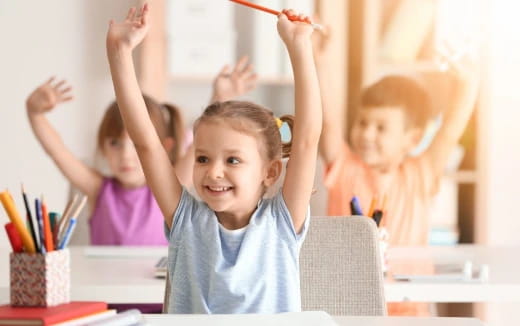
(123, 210)
(234, 251)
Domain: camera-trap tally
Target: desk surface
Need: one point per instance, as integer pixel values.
(112, 274)
(503, 284)
(253, 320)
(125, 275)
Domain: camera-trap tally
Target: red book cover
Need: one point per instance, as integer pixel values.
(10, 315)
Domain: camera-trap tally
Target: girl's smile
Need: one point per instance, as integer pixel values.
(229, 169)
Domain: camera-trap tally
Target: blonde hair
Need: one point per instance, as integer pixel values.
(252, 119)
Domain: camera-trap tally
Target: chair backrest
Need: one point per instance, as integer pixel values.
(340, 267)
(167, 289)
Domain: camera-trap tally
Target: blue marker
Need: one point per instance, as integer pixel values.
(355, 207)
(38, 210)
(66, 237)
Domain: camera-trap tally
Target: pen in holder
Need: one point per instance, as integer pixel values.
(40, 280)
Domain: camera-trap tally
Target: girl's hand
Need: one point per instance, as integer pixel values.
(129, 33)
(293, 31)
(48, 95)
(230, 84)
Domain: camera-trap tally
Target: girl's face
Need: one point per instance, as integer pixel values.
(123, 161)
(230, 172)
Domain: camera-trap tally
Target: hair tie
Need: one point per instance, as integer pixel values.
(279, 122)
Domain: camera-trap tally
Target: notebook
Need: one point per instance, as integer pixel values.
(87, 320)
(446, 273)
(10, 315)
(161, 267)
(125, 251)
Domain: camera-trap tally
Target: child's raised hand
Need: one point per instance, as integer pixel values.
(463, 68)
(131, 31)
(320, 41)
(234, 82)
(292, 31)
(48, 95)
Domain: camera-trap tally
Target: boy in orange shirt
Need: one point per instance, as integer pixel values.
(375, 163)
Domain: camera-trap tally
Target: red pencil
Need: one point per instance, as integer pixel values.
(14, 237)
(274, 12)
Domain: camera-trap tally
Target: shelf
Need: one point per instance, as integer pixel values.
(206, 79)
(464, 176)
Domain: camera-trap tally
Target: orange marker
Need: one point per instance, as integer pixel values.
(49, 244)
(275, 12)
(372, 206)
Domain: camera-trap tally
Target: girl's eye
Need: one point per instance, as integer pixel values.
(114, 142)
(233, 160)
(381, 128)
(363, 123)
(202, 159)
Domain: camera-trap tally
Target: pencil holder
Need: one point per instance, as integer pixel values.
(383, 248)
(40, 280)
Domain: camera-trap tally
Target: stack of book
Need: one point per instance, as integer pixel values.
(69, 314)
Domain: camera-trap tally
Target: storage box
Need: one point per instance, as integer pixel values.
(40, 280)
(268, 48)
(188, 16)
(201, 55)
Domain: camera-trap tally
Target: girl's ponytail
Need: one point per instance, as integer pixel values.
(286, 146)
(175, 127)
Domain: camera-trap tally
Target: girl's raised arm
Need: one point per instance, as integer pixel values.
(299, 179)
(42, 100)
(122, 38)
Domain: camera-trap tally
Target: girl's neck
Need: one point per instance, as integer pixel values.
(233, 221)
(130, 186)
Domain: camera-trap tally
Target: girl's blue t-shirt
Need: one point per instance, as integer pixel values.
(213, 270)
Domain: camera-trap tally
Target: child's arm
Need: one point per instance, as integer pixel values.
(42, 100)
(332, 140)
(122, 38)
(301, 167)
(454, 119)
(233, 82)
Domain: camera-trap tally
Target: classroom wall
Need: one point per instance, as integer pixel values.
(67, 39)
(502, 104)
(40, 39)
(503, 117)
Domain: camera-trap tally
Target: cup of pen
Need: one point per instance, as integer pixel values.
(38, 279)
(39, 265)
(383, 248)
(377, 215)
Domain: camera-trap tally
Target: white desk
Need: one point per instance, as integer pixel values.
(503, 284)
(122, 275)
(112, 274)
(252, 320)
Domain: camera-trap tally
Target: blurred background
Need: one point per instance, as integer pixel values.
(191, 40)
